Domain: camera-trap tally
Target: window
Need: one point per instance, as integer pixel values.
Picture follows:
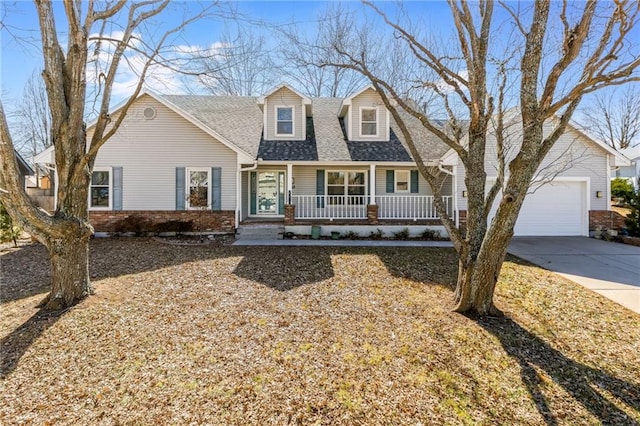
(198, 187)
(402, 180)
(352, 184)
(100, 189)
(368, 122)
(284, 121)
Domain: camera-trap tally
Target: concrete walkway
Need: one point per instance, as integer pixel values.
(610, 269)
(343, 243)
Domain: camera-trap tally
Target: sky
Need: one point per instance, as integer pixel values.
(20, 38)
(20, 41)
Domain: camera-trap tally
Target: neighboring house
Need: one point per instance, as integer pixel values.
(629, 172)
(215, 163)
(24, 169)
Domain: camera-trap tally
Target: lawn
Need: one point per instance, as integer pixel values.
(333, 336)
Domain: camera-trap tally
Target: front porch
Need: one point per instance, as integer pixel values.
(357, 195)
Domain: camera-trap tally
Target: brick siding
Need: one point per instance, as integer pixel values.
(163, 221)
(607, 219)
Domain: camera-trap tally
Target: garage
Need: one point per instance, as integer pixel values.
(557, 208)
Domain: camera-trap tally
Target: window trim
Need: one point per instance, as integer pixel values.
(102, 169)
(293, 120)
(377, 122)
(187, 187)
(395, 181)
(346, 185)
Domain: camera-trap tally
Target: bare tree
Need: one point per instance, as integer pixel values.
(32, 120)
(300, 55)
(559, 52)
(239, 65)
(614, 117)
(66, 233)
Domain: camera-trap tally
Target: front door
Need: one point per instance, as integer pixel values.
(269, 193)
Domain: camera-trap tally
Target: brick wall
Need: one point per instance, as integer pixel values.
(372, 214)
(462, 223)
(289, 214)
(163, 221)
(606, 219)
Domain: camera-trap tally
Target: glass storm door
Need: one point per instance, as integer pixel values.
(270, 194)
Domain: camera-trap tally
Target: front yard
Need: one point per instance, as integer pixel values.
(280, 335)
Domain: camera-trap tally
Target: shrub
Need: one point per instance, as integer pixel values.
(377, 234)
(350, 235)
(633, 218)
(430, 234)
(135, 224)
(402, 235)
(8, 231)
(622, 188)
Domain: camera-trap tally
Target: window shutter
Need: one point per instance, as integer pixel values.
(414, 181)
(180, 191)
(216, 188)
(391, 177)
(253, 191)
(320, 187)
(117, 188)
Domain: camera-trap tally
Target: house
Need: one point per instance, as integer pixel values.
(629, 172)
(24, 169)
(218, 163)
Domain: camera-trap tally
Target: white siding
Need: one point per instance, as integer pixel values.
(150, 150)
(423, 186)
(571, 156)
(368, 99)
(285, 97)
(305, 179)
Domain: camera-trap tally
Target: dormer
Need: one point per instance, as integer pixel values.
(285, 112)
(365, 116)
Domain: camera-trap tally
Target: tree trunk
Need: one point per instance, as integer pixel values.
(476, 283)
(69, 271)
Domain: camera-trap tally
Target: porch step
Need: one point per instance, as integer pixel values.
(260, 231)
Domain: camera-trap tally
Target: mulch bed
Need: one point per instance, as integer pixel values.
(217, 334)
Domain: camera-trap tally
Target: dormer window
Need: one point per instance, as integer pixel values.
(284, 121)
(369, 122)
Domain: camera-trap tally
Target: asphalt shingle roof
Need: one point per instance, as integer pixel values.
(290, 150)
(239, 120)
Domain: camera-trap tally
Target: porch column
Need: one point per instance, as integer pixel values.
(289, 194)
(372, 184)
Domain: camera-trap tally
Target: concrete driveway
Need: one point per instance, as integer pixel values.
(611, 269)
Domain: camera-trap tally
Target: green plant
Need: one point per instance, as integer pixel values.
(622, 189)
(350, 235)
(377, 234)
(430, 234)
(8, 231)
(402, 235)
(633, 218)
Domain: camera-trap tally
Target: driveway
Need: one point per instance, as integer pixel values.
(611, 269)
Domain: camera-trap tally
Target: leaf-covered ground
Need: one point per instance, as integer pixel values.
(332, 336)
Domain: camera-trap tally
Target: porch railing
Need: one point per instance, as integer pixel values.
(410, 206)
(330, 206)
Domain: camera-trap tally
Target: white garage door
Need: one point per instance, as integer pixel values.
(556, 208)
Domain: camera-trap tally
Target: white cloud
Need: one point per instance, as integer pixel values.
(158, 78)
(445, 88)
